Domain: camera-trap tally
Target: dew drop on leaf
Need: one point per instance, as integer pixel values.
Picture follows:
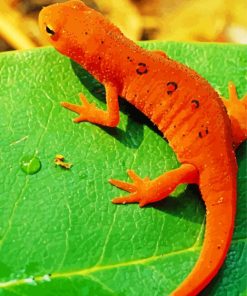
(30, 281)
(30, 164)
(47, 278)
(82, 175)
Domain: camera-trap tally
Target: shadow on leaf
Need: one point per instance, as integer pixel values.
(180, 206)
(133, 136)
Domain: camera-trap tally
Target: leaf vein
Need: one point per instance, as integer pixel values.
(103, 285)
(97, 268)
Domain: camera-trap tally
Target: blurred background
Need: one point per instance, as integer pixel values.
(177, 20)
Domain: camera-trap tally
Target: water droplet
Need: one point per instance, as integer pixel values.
(46, 278)
(82, 175)
(30, 164)
(30, 281)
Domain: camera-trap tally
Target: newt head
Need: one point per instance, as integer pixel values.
(67, 26)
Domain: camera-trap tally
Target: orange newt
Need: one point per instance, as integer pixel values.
(183, 105)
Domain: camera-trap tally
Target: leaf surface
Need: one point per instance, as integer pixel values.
(59, 232)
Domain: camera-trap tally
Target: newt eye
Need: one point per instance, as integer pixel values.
(49, 31)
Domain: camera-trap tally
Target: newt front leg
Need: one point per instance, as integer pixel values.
(89, 112)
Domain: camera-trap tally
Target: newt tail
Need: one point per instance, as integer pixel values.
(215, 246)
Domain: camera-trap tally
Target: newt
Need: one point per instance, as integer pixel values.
(202, 129)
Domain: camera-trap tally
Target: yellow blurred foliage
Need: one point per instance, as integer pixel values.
(193, 20)
(184, 20)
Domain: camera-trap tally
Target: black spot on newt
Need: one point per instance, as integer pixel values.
(141, 69)
(203, 133)
(195, 104)
(171, 87)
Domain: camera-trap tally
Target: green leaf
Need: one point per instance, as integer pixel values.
(62, 222)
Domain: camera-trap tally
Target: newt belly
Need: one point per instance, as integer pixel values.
(179, 101)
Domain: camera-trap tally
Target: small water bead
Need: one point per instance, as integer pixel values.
(30, 164)
(46, 278)
(82, 175)
(30, 281)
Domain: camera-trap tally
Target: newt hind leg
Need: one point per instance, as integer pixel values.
(145, 191)
(237, 111)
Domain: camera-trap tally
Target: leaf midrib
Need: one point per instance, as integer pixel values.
(94, 269)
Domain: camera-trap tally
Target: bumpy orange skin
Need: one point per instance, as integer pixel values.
(178, 100)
